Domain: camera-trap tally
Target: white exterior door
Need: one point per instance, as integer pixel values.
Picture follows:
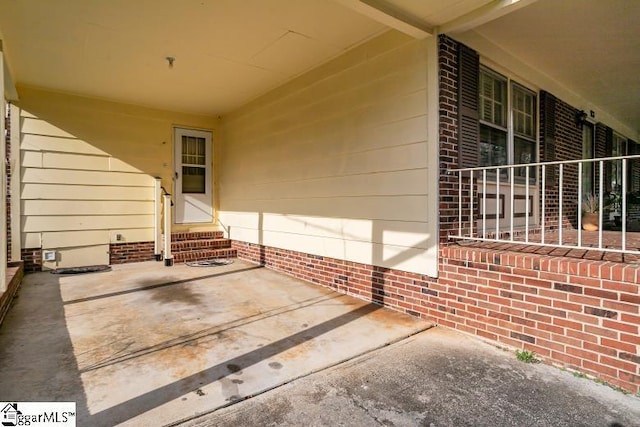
(193, 176)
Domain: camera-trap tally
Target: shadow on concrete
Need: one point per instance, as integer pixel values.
(204, 333)
(38, 363)
(157, 285)
(143, 403)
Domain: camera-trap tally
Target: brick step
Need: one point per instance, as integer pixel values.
(202, 255)
(200, 244)
(196, 235)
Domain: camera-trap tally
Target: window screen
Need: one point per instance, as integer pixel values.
(193, 164)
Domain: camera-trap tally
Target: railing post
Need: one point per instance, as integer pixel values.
(600, 202)
(157, 215)
(543, 190)
(624, 204)
(560, 201)
(512, 198)
(580, 204)
(168, 257)
(471, 216)
(526, 203)
(484, 203)
(497, 204)
(459, 203)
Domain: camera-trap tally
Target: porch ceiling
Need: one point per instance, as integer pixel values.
(230, 51)
(590, 46)
(227, 52)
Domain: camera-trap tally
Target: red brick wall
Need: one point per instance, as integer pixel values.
(15, 272)
(568, 147)
(8, 163)
(32, 258)
(557, 307)
(450, 204)
(121, 253)
(554, 306)
(448, 105)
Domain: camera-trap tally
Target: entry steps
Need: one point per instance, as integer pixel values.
(200, 246)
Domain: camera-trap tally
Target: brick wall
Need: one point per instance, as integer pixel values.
(568, 147)
(15, 272)
(32, 258)
(581, 314)
(121, 253)
(554, 306)
(8, 163)
(448, 107)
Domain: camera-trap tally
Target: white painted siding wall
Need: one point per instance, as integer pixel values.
(76, 198)
(87, 172)
(335, 163)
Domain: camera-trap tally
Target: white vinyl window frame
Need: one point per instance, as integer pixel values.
(511, 86)
(493, 100)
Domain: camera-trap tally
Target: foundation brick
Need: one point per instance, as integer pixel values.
(32, 258)
(551, 324)
(121, 253)
(600, 312)
(8, 175)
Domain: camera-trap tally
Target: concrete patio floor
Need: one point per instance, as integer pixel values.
(149, 345)
(436, 378)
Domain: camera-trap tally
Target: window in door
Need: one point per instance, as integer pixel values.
(193, 164)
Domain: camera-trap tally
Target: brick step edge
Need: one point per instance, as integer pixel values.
(196, 235)
(204, 255)
(202, 244)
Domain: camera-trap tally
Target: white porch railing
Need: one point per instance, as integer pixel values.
(168, 256)
(225, 229)
(549, 206)
(162, 215)
(157, 219)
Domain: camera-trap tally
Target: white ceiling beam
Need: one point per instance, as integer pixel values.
(482, 15)
(384, 13)
(10, 92)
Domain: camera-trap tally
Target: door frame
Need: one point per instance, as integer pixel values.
(203, 209)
